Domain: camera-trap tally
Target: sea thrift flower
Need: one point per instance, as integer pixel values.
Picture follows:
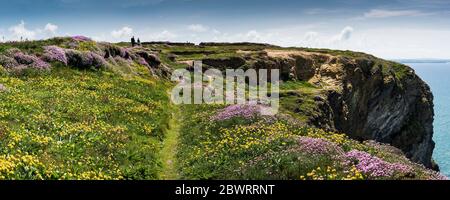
(31, 61)
(95, 60)
(142, 61)
(122, 61)
(84, 59)
(318, 146)
(55, 54)
(8, 62)
(124, 53)
(238, 110)
(436, 175)
(25, 59)
(81, 38)
(374, 166)
(40, 64)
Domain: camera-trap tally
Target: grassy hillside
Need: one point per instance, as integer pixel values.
(72, 108)
(70, 123)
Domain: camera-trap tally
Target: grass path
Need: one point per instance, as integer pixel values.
(169, 150)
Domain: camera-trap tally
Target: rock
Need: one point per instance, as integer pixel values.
(172, 57)
(318, 98)
(366, 99)
(152, 59)
(3, 88)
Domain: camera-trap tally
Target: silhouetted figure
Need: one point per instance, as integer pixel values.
(133, 42)
(139, 42)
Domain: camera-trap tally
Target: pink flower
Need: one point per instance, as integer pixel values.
(84, 59)
(142, 61)
(81, 38)
(237, 110)
(30, 61)
(55, 54)
(373, 166)
(318, 146)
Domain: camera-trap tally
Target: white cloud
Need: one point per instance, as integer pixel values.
(198, 28)
(345, 34)
(253, 36)
(215, 31)
(19, 31)
(310, 36)
(379, 13)
(164, 35)
(51, 28)
(123, 32)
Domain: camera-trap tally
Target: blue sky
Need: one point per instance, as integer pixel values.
(386, 28)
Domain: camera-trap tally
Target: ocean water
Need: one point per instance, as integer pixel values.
(437, 75)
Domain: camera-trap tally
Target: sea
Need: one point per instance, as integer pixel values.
(437, 76)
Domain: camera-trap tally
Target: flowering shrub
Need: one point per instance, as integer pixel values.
(40, 64)
(142, 61)
(25, 59)
(84, 59)
(124, 53)
(81, 38)
(8, 62)
(237, 110)
(30, 61)
(121, 61)
(95, 60)
(373, 166)
(55, 54)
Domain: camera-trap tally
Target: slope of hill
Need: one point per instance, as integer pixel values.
(73, 108)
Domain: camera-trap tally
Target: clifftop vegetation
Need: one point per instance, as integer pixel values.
(73, 108)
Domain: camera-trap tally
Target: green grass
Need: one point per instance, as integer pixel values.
(72, 124)
(297, 99)
(32, 46)
(168, 152)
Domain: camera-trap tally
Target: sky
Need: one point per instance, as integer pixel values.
(391, 29)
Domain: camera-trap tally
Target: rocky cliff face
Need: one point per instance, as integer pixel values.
(363, 96)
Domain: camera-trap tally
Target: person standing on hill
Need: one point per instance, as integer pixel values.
(139, 42)
(133, 42)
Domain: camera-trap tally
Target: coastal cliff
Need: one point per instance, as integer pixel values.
(363, 96)
(343, 116)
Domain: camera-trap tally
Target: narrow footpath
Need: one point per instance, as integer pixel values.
(169, 150)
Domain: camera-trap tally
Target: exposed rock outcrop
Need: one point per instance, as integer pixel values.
(366, 98)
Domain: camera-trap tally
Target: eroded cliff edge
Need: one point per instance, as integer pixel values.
(363, 96)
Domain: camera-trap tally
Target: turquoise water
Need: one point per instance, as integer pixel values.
(437, 75)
